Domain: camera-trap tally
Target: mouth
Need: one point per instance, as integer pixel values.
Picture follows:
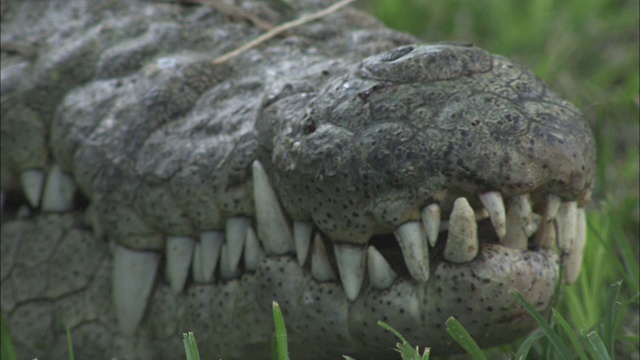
(457, 254)
(459, 258)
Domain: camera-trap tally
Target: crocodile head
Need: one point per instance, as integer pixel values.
(419, 183)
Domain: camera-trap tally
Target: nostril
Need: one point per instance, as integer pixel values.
(396, 54)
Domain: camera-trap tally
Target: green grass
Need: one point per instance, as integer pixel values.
(551, 329)
(587, 51)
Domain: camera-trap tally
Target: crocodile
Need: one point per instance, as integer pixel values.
(350, 172)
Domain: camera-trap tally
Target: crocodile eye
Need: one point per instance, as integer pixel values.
(309, 126)
(396, 54)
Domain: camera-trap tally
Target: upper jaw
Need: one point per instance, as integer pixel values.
(365, 160)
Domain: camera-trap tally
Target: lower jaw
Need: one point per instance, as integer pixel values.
(233, 319)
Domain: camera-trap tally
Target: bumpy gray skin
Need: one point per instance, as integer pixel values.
(357, 127)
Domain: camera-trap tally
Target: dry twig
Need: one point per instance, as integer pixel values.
(280, 29)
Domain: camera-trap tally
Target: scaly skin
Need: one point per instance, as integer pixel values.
(357, 129)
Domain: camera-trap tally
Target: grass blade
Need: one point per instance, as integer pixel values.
(282, 348)
(407, 352)
(596, 346)
(572, 336)
(69, 344)
(554, 339)
(462, 337)
(611, 317)
(190, 346)
(7, 351)
(523, 349)
(395, 332)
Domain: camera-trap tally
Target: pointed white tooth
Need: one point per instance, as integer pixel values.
(431, 222)
(481, 214)
(546, 235)
(196, 264)
(179, 251)
(252, 251)
(478, 215)
(566, 223)
(226, 270)
(32, 182)
(534, 225)
(321, 269)
(235, 233)
(415, 251)
(273, 229)
(380, 273)
(553, 205)
(494, 203)
(518, 220)
(573, 261)
(59, 191)
(351, 263)
(133, 276)
(302, 235)
(462, 240)
(206, 254)
(546, 232)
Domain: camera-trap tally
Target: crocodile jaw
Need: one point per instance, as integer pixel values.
(232, 319)
(151, 305)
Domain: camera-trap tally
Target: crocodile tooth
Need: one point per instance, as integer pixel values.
(494, 203)
(321, 269)
(196, 265)
(415, 250)
(566, 223)
(273, 228)
(252, 251)
(478, 215)
(58, 191)
(431, 222)
(546, 233)
(235, 233)
(179, 252)
(32, 182)
(380, 273)
(133, 276)
(462, 240)
(206, 254)
(351, 263)
(553, 204)
(302, 235)
(573, 261)
(518, 220)
(226, 270)
(533, 225)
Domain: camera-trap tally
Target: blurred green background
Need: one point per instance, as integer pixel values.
(587, 51)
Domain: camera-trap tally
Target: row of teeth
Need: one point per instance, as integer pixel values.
(562, 224)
